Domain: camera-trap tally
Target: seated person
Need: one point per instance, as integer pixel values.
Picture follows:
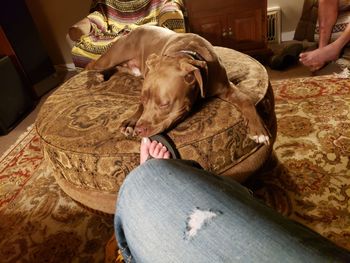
(326, 51)
(173, 211)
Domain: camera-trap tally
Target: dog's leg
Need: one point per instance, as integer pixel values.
(128, 126)
(122, 50)
(256, 128)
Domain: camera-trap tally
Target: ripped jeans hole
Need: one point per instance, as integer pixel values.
(197, 220)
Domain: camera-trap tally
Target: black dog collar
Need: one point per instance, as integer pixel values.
(195, 55)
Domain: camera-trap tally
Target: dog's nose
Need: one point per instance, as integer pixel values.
(141, 130)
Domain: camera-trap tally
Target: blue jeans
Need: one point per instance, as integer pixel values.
(171, 211)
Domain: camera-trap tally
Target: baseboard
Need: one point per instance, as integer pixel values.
(287, 36)
(65, 67)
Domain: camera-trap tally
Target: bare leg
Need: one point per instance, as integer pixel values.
(154, 149)
(316, 59)
(327, 16)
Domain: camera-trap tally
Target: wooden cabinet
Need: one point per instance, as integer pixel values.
(236, 24)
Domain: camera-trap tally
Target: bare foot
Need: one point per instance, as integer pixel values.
(317, 58)
(152, 149)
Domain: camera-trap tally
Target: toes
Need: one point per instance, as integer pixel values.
(144, 149)
(158, 150)
(167, 155)
(152, 147)
(162, 151)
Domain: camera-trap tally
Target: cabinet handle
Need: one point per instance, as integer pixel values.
(224, 33)
(230, 32)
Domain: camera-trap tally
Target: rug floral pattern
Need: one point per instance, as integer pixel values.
(308, 181)
(38, 221)
(310, 177)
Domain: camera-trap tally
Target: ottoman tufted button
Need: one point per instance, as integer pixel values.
(79, 129)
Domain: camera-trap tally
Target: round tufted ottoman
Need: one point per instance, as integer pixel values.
(79, 129)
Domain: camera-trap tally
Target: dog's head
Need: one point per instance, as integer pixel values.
(171, 86)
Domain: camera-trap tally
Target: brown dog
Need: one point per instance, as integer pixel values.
(178, 70)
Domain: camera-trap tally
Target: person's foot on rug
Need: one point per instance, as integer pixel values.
(152, 149)
(318, 58)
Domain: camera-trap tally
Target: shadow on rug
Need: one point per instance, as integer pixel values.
(38, 221)
(310, 179)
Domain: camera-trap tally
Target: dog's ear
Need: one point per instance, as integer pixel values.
(151, 60)
(193, 73)
(201, 49)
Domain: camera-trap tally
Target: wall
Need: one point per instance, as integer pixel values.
(53, 18)
(291, 12)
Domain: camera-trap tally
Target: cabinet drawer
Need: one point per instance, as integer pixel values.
(210, 28)
(247, 29)
(236, 24)
(213, 7)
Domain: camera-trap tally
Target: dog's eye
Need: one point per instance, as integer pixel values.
(189, 78)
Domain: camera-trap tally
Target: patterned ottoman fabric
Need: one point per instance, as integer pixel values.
(79, 126)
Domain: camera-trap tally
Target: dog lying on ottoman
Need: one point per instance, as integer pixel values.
(79, 124)
(178, 69)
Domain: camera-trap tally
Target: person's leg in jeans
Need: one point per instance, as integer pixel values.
(170, 211)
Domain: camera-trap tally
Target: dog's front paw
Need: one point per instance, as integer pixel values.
(127, 127)
(265, 139)
(99, 77)
(258, 133)
(95, 78)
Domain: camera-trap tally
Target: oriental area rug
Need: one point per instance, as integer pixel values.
(38, 221)
(308, 180)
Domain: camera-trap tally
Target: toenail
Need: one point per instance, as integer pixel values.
(145, 140)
